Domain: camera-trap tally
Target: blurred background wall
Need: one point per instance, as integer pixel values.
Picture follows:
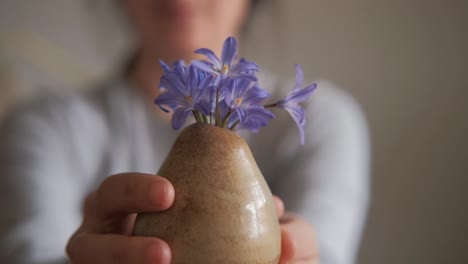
(406, 61)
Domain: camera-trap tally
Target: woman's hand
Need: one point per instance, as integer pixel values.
(298, 244)
(109, 216)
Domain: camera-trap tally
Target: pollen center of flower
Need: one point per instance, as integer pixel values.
(238, 101)
(189, 99)
(225, 69)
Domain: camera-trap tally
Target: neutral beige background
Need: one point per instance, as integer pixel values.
(406, 61)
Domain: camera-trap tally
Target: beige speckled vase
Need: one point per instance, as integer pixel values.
(223, 211)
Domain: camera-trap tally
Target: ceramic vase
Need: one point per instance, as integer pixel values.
(223, 210)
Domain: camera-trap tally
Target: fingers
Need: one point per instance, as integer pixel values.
(116, 249)
(298, 240)
(287, 247)
(131, 193)
(279, 206)
(109, 214)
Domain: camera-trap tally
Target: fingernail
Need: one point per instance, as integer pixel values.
(158, 252)
(161, 194)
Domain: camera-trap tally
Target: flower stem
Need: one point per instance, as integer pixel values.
(204, 118)
(200, 116)
(234, 125)
(217, 118)
(196, 115)
(226, 120)
(270, 105)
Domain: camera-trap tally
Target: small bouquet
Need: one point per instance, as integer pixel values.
(225, 92)
(223, 210)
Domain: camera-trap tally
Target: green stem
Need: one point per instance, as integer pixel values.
(205, 118)
(217, 118)
(195, 114)
(234, 125)
(202, 117)
(225, 121)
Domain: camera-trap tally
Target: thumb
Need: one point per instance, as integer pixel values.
(287, 247)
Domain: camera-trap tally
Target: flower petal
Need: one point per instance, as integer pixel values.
(241, 114)
(179, 117)
(245, 66)
(301, 95)
(204, 87)
(204, 66)
(241, 87)
(229, 51)
(165, 67)
(297, 114)
(223, 109)
(255, 95)
(180, 70)
(204, 107)
(210, 97)
(179, 64)
(256, 118)
(192, 82)
(211, 56)
(172, 83)
(168, 99)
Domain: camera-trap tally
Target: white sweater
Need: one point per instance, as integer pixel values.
(55, 151)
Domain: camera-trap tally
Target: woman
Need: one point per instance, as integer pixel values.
(61, 151)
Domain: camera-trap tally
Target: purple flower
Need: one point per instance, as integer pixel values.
(242, 94)
(291, 102)
(224, 92)
(243, 99)
(179, 68)
(225, 66)
(255, 118)
(207, 104)
(182, 96)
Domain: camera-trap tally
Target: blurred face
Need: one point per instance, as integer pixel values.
(173, 29)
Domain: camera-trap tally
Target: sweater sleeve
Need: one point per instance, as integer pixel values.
(41, 197)
(327, 180)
